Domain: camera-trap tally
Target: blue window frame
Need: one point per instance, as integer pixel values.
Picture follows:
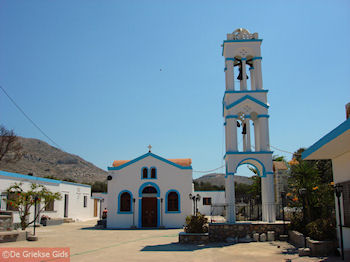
(172, 201)
(125, 202)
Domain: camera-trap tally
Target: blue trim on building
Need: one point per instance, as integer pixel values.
(251, 68)
(146, 155)
(257, 160)
(343, 127)
(166, 202)
(140, 213)
(244, 98)
(248, 153)
(158, 212)
(246, 91)
(96, 197)
(256, 57)
(149, 184)
(131, 203)
(244, 58)
(231, 116)
(144, 167)
(39, 179)
(230, 59)
(263, 116)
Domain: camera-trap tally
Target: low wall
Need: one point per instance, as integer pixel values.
(193, 238)
(6, 221)
(321, 248)
(317, 248)
(296, 238)
(220, 231)
(12, 236)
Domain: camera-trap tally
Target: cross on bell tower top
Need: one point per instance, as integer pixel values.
(149, 148)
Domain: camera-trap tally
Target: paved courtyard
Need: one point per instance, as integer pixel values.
(88, 244)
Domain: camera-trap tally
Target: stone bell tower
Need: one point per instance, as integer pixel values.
(245, 110)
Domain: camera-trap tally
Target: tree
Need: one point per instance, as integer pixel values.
(99, 186)
(10, 147)
(22, 200)
(278, 158)
(318, 199)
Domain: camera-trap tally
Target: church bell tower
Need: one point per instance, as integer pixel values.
(245, 111)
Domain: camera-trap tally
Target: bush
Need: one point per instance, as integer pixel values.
(321, 229)
(196, 224)
(296, 222)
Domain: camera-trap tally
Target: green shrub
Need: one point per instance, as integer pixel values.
(321, 229)
(196, 224)
(296, 222)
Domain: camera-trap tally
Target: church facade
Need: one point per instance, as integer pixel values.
(149, 192)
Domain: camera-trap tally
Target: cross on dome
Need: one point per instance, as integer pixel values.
(149, 148)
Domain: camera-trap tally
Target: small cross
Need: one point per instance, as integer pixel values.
(149, 148)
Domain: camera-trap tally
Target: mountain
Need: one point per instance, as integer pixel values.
(219, 179)
(42, 160)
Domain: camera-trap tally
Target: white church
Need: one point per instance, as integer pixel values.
(151, 191)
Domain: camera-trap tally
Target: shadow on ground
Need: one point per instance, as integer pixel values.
(175, 246)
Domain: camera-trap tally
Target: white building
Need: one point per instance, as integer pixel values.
(149, 191)
(212, 203)
(76, 202)
(336, 146)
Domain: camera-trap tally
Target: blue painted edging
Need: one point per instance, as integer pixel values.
(152, 155)
(39, 179)
(132, 204)
(166, 201)
(244, 98)
(343, 127)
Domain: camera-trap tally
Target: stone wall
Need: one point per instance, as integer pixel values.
(6, 221)
(220, 232)
(193, 238)
(296, 238)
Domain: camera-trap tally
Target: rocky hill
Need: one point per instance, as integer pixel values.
(219, 179)
(44, 160)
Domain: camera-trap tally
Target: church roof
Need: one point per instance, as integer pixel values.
(182, 163)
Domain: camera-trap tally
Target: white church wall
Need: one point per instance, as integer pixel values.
(129, 178)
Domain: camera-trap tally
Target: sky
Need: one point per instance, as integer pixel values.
(104, 79)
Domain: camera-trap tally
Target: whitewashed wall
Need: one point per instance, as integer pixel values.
(217, 197)
(75, 191)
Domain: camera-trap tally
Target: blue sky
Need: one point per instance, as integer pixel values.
(106, 78)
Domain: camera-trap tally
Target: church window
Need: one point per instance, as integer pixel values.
(144, 172)
(173, 201)
(149, 190)
(125, 202)
(153, 172)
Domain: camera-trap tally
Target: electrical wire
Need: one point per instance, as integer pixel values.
(29, 119)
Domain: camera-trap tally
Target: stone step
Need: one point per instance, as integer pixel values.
(68, 220)
(283, 238)
(304, 251)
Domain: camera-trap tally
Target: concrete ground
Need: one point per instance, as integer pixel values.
(89, 244)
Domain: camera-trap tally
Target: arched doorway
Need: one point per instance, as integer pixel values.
(149, 205)
(264, 170)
